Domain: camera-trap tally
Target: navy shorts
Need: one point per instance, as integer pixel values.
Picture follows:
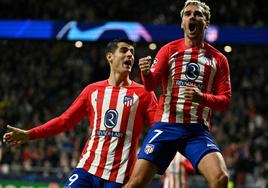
(165, 139)
(80, 178)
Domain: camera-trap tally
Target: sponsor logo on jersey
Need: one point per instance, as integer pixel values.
(110, 119)
(192, 71)
(149, 148)
(109, 133)
(190, 83)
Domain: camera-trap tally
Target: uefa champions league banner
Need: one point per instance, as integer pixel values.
(138, 32)
(31, 29)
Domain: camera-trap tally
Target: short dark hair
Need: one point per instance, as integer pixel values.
(112, 45)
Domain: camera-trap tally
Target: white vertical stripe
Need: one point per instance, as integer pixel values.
(181, 97)
(166, 110)
(183, 177)
(105, 107)
(201, 63)
(128, 138)
(94, 97)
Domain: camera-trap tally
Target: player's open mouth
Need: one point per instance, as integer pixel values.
(128, 62)
(192, 27)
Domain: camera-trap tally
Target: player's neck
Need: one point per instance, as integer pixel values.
(119, 80)
(194, 43)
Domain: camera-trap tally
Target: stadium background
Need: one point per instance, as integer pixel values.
(40, 78)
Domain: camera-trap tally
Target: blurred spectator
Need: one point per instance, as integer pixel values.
(176, 175)
(228, 12)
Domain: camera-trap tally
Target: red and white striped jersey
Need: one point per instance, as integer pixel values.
(176, 175)
(117, 115)
(176, 66)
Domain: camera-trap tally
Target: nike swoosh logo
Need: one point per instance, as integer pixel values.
(210, 145)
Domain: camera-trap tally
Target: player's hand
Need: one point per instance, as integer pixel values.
(145, 64)
(15, 136)
(193, 93)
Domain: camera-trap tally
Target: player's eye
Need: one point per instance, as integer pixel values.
(199, 14)
(124, 50)
(187, 13)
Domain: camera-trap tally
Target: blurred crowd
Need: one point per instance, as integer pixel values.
(40, 79)
(241, 130)
(228, 12)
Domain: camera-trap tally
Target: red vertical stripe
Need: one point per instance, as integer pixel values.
(120, 144)
(96, 139)
(188, 103)
(200, 108)
(85, 149)
(107, 141)
(186, 179)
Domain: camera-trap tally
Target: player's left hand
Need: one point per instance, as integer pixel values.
(15, 136)
(193, 93)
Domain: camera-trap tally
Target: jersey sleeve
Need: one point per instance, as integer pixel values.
(75, 113)
(159, 66)
(221, 97)
(151, 102)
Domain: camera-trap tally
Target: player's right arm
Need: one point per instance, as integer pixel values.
(75, 113)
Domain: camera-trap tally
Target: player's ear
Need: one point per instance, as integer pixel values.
(109, 56)
(207, 24)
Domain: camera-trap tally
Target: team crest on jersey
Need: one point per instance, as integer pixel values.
(128, 100)
(192, 71)
(149, 148)
(207, 60)
(110, 119)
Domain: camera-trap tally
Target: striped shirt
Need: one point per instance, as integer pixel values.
(176, 66)
(117, 115)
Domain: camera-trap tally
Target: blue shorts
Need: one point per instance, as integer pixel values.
(165, 139)
(80, 178)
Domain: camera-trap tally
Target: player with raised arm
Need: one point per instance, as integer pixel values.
(195, 80)
(117, 109)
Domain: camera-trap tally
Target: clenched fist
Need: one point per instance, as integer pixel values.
(145, 64)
